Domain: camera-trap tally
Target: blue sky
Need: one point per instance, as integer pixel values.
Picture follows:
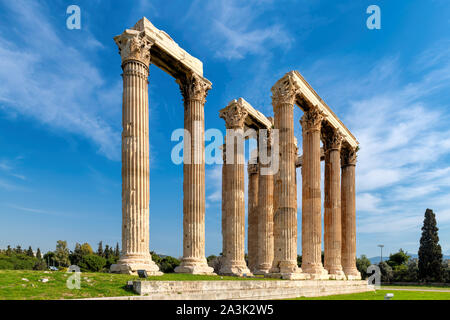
(60, 110)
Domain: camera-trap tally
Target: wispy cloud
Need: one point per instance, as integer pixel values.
(50, 79)
(233, 30)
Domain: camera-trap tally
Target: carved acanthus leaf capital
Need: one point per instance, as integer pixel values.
(134, 45)
(234, 115)
(312, 119)
(194, 87)
(348, 156)
(284, 92)
(332, 139)
(252, 168)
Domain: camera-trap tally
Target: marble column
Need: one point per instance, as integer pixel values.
(265, 213)
(224, 197)
(252, 242)
(135, 53)
(234, 233)
(194, 90)
(332, 140)
(348, 163)
(311, 202)
(285, 215)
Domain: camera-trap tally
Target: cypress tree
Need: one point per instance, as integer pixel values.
(100, 249)
(430, 252)
(30, 252)
(38, 254)
(117, 251)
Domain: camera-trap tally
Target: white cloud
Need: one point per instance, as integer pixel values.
(52, 80)
(233, 31)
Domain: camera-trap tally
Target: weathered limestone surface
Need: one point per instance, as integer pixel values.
(311, 203)
(332, 140)
(244, 290)
(285, 214)
(265, 215)
(234, 233)
(306, 97)
(253, 216)
(134, 49)
(348, 163)
(194, 90)
(167, 54)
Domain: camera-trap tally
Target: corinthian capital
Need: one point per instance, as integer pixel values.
(331, 138)
(234, 115)
(194, 87)
(252, 169)
(134, 45)
(348, 156)
(284, 91)
(312, 119)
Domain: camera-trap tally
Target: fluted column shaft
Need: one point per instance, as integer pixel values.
(265, 217)
(285, 215)
(135, 53)
(234, 233)
(349, 214)
(194, 90)
(311, 201)
(253, 217)
(224, 198)
(332, 216)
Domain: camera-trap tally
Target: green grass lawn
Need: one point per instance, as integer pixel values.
(12, 286)
(379, 295)
(92, 284)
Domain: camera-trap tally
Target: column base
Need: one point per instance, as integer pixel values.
(236, 270)
(287, 270)
(194, 266)
(353, 274)
(336, 273)
(130, 264)
(316, 272)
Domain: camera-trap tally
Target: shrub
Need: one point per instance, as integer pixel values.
(40, 265)
(168, 264)
(386, 272)
(92, 262)
(362, 264)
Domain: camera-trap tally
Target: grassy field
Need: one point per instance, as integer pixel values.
(12, 285)
(379, 295)
(21, 285)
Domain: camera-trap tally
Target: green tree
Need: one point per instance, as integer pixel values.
(386, 272)
(92, 262)
(430, 252)
(107, 254)
(62, 253)
(40, 265)
(18, 250)
(413, 270)
(117, 251)
(155, 257)
(362, 264)
(398, 259)
(168, 264)
(30, 252)
(39, 254)
(86, 249)
(9, 251)
(100, 249)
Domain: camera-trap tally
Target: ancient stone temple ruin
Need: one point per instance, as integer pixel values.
(272, 185)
